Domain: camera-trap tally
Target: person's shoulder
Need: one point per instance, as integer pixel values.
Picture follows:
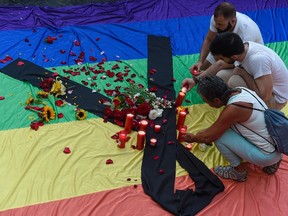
(242, 15)
(244, 19)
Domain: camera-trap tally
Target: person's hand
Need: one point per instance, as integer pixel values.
(195, 67)
(189, 83)
(187, 137)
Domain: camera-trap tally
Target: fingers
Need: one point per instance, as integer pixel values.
(188, 83)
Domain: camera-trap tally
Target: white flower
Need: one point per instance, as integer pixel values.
(155, 113)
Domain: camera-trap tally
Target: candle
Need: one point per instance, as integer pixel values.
(184, 89)
(122, 139)
(189, 146)
(180, 98)
(140, 140)
(182, 130)
(128, 123)
(143, 125)
(195, 72)
(153, 141)
(157, 128)
(181, 119)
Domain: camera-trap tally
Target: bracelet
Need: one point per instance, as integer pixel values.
(196, 79)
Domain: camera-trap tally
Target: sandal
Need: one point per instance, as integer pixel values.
(228, 172)
(271, 169)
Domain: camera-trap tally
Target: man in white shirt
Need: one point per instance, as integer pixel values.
(260, 68)
(225, 19)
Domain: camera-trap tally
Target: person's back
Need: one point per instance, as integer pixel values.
(261, 60)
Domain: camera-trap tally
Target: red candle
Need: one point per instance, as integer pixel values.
(143, 124)
(157, 128)
(180, 98)
(122, 139)
(140, 140)
(181, 119)
(128, 123)
(153, 141)
(195, 72)
(184, 89)
(182, 130)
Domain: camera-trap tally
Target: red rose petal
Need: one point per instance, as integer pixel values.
(97, 39)
(161, 171)
(76, 43)
(164, 121)
(92, 58)
(109, 161)
(20, 63)
(8, 58)
(153, 89)
(156, 157)
(170, 142)
(62, 51)
(35, 125)
(67, 150)
(2, 98)
(115, 136)
(60, 115)
(59, 103)
(119, 123)
(55, 74)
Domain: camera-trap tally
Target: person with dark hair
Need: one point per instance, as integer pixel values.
(229, 132)
(260, 68)
(225, 19)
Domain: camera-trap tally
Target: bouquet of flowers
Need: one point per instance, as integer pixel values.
(136, 100)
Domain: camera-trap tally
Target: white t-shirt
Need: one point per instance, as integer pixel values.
(256, 122)
(245, 27)
(261, 60)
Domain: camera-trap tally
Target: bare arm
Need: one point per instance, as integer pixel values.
(230, 115)
(212, 70)
(206, 45)
(204, 50)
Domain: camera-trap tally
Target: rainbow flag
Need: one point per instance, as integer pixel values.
(80, 44)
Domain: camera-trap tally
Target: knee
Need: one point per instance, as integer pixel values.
(236, 81)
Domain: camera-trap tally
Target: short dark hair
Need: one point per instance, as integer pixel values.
(225, 9)
(227, 44)
(212, 87)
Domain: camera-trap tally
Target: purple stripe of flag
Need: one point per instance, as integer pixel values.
(118, 12)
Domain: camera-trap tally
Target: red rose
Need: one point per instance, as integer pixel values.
(108, 112)
(116, 102)
(119, 115)
(129, 110)
(46, 84)
(129, 102)
(144, 109)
